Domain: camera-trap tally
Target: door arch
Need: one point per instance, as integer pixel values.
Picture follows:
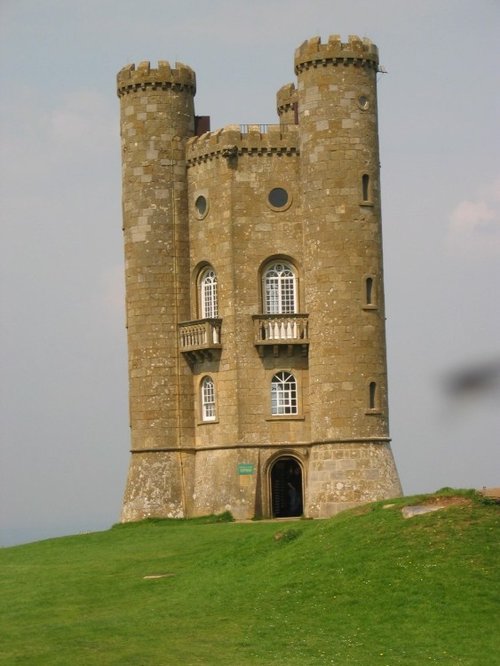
(286, 488)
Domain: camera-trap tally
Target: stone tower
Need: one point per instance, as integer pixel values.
(157, 117)
(255, 308)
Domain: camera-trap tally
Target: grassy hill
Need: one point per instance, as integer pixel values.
(366, 587)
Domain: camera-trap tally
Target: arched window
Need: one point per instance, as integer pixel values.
(208, 294)
(369, 292)
(279, 288)
(283, 394)
(208, 399)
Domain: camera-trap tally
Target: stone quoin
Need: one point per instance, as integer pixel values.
(254, 295)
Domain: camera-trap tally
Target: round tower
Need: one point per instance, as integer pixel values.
(286, 104)
(339, 162)
(157, 118)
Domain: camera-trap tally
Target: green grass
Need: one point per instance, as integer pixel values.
(367, 587)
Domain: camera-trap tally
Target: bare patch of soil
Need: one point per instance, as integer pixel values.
(434, 504)
(445, 502)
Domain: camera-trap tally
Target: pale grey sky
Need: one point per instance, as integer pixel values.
(64, 420)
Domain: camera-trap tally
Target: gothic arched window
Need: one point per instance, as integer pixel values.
(279, 288)
(283, 394)
(208, 412)
(208, 294)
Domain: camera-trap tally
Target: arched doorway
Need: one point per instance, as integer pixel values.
(286, 488)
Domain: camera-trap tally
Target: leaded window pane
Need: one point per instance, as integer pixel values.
(209, 306)
(279, 290)
(208, 399)
(283, 394)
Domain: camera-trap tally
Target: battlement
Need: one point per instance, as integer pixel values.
(234, 140)
(355, 51)
(131, 78)
(286, 97)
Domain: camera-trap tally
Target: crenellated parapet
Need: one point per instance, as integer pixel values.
(356, 51)
(132, 78)
(234, 140)
(286, 98)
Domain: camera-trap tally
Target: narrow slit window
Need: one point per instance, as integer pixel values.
(373, 395)
(365, 182)
(369, 291)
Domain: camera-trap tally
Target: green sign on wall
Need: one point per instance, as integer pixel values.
(246, 468)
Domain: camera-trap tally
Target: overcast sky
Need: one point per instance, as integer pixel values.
(64, 420)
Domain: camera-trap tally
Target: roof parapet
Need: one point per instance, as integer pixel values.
(231, 141)
(286, 97)
(131, 78)
(357, 50)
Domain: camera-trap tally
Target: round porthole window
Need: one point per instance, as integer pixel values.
(278, 197)
(201, 206)
(363, 102)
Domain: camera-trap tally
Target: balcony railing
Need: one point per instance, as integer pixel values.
(263, 128)
(200, 338)
(281, 329)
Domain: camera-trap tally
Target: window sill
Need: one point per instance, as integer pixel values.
(286, 417)
(370, 307)
(367, 204)
(203, 423)
(373, 412)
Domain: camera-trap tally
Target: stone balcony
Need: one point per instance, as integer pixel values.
(200, 339)
(281, 332)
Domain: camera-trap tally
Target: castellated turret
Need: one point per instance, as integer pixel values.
(255, 307)
(157, 118)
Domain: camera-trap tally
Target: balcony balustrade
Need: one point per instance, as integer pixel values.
(281, 330)
(201, 338)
